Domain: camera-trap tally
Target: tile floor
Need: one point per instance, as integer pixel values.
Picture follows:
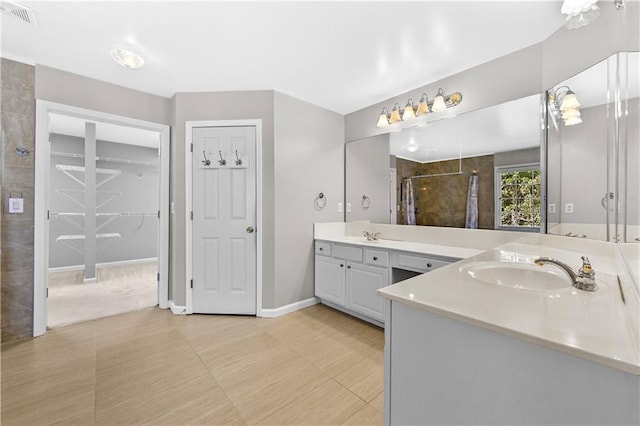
(314, 366)
(120, 289)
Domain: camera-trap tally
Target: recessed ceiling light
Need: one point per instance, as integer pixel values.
(127, 58)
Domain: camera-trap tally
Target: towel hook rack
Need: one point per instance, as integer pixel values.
(206, 161)
(238, 160)
(221, 161)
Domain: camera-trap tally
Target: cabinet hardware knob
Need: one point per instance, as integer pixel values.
(348, 267)
(375, 258)
(341, 265)
(428, 265)
(320, 248)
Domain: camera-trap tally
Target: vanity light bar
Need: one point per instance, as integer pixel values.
(410, 111)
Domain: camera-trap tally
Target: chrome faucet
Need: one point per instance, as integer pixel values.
(584, 279)
(371, 236)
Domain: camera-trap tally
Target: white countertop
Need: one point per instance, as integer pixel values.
(414, 247)
(593, 326)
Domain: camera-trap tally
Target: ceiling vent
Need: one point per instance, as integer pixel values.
(16, 10)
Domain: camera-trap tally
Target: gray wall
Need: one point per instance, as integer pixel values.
(72, 89)
(309, 143)
(513, 158)
(301, 155)
(221, 106)
(583, 179)
(139, 190)
(17, 87)
(367, 173)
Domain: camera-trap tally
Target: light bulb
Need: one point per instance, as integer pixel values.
(413, 147)
(409, 112)
(395, 115)
(569, 101)
(570, 113)
(127, 58)
(572, 121)
(383, 121)
(438, 102)
(423, 106)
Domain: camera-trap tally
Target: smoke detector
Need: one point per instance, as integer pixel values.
(18, 11)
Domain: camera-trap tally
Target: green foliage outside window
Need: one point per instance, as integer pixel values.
(520, 198)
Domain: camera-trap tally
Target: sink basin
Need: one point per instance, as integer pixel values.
(519, 276)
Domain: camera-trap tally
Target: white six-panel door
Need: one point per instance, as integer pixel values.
(224, 220)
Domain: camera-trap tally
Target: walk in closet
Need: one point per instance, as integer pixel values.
(103, 219)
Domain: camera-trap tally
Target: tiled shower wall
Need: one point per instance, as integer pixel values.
(442, 200)
(17, 111)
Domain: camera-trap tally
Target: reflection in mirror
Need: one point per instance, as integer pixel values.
(592, 191)
(480, 169)
(629, 218)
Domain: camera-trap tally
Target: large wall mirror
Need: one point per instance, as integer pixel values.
(593, 156)
(480, 169)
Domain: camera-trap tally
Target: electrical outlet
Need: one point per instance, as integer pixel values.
(339, 207)
(551, 208)
(348, 207)
(16, 205)
(568, 208)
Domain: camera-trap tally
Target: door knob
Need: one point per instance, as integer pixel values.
(250, 229)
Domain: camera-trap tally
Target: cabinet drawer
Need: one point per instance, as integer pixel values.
(347, 252)
(323, 248)
(419, 263)
(377, 258)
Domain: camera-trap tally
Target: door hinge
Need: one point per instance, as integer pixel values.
(47, 292)
(48, 214)
(158, 276)
(191, 214)
(191, 283)
(191, 147)
(158, 214)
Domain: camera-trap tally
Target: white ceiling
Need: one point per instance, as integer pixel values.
(343, 56)
(505, 127)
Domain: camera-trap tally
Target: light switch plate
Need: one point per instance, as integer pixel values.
(16, 205)
(551, 208)
(568, 208)
(348, 207)
(339, 207)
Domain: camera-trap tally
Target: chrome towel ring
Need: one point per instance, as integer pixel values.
(320, 201)
(366, 202)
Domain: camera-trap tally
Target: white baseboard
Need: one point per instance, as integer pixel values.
(116, 263)
(177, 310)
(287, 309)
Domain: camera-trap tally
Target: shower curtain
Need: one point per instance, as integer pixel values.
(472, 203)
(409, 203)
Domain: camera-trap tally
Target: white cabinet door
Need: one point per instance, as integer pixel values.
(362, 283)
(329, 279)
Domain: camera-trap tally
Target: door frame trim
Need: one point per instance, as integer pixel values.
(189, 126)
(41, 200)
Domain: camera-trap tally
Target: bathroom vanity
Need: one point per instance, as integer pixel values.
(490, 340)
(483, 335)
(350, 270)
